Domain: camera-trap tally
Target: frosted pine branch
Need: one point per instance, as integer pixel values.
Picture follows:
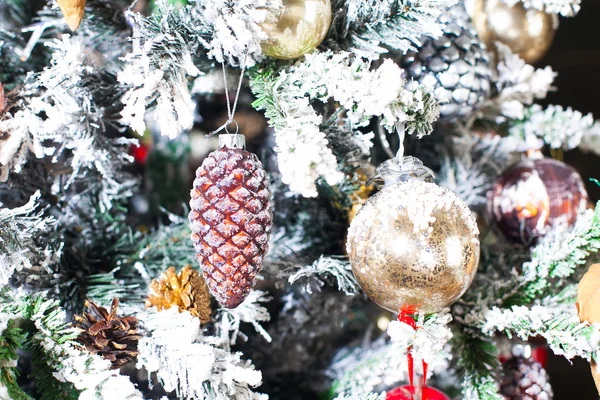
(158, 67)
(251, 311)
(174, 45)
(471, 164)
(476, 387)
(566, 8)
(56, 116)
(303, 150)
(560, 252)
(190, 364)
(564, 332)
(370, 28)
(518, 84)
(18, 228)
(235, 34)
(53, 337)
(337, 268)
(558, 128)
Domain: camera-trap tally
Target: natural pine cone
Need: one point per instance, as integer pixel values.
(525, 379)
(231, 218)
(186, 291)
(115, 338)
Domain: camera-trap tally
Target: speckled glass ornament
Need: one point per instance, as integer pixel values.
(297, 28)
(457, 63)
(414, 245)
(532, 195)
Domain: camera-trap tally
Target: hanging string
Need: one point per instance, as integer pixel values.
(231, 109)
(401, 135)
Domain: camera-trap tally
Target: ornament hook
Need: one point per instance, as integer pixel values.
(401, 168)
(230, 109)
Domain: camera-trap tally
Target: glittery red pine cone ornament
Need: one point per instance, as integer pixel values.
(231, 219)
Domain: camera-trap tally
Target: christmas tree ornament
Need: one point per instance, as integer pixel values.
(525, 379)
(413, 245)
(588, 306)
(104, 333)
(457, 63)
(528, 32)
(533, 195)
(231, 219)
(72, 11)
(187, 291)
(408, 392)
(296, 28)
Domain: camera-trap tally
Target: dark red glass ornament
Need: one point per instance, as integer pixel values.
(532, 195)
(231, 219)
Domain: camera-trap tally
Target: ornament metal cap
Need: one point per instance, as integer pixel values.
(402, 169)
(232, 141)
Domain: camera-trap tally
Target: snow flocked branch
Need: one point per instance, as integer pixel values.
(335, 267)
(558, 128)
(56, 115)
(173, 45)
(565, 333)
(63, 365)
(18, 227)
(518, 85)
(302, 148)
(369, 29)
(191, 364)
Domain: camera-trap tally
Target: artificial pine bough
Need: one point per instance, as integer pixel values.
(90, 117)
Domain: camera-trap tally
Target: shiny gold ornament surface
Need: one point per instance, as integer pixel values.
(297, 28)
(73, 12)
(414, 245)
(527, 32)
(588, 307)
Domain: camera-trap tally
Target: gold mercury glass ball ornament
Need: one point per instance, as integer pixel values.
(528, 33)
(297, 28)
(414, 246)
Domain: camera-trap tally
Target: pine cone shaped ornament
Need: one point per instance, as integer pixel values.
(525, 379)
(231, 219)
(115, 338)
(457, 62)
(186, 291)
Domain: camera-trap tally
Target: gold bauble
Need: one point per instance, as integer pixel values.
(297, 28)
(528, 33)
(588, 306)
(414, 245)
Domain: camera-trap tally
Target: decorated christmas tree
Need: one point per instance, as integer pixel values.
(289, 199)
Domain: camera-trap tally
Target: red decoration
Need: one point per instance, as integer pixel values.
(408, 392)
(407, 316)
(231, 219)
(532, 195)
(140, 152)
